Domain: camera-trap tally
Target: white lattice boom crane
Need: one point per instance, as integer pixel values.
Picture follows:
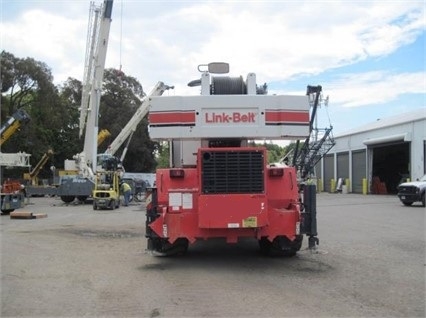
(127, 132)
(96, 49)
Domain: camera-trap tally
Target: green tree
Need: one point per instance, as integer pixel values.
(290, 149)
(28, 84)
(54, 111)
(122, 96)
(275, 152)
(163, 155)
(68, 142)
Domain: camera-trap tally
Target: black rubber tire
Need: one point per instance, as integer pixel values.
(265, 246)
(82, 198)
(280, 246)
(95, 207)
(112, 204)
(67, 198)
(407, 203)
(423, 199)
(164, 248)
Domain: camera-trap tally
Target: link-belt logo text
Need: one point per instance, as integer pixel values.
(235, 117)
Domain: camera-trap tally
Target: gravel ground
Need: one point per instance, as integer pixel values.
(83, 263)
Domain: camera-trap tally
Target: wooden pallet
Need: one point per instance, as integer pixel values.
(27, 215)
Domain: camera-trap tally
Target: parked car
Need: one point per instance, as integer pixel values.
(410, 192)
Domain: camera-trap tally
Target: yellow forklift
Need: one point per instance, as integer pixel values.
(106, 194)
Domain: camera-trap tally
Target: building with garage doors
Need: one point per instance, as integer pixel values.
(381, 153)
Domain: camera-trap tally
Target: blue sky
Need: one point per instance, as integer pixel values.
(406, 59)
(369, 56)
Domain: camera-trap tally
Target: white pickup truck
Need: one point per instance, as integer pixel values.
(410, 192)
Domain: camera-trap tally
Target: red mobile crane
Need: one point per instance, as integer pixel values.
(218, 185)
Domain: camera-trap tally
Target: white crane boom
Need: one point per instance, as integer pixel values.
(131, 126)
(97, 44)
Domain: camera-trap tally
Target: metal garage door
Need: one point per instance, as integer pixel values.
(343, 165)
(391, 162)
(424, 156)
(359, 168)
(328, 171)
(318, 172)
(318, 169)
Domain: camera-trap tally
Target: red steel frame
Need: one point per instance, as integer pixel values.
(275, 212)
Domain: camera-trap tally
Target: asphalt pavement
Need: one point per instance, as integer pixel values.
(78, 262)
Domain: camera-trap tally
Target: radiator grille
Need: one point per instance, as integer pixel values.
(407, 189)
(232, 172)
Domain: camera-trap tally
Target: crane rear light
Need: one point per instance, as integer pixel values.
(177, 173)
(276, 172)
